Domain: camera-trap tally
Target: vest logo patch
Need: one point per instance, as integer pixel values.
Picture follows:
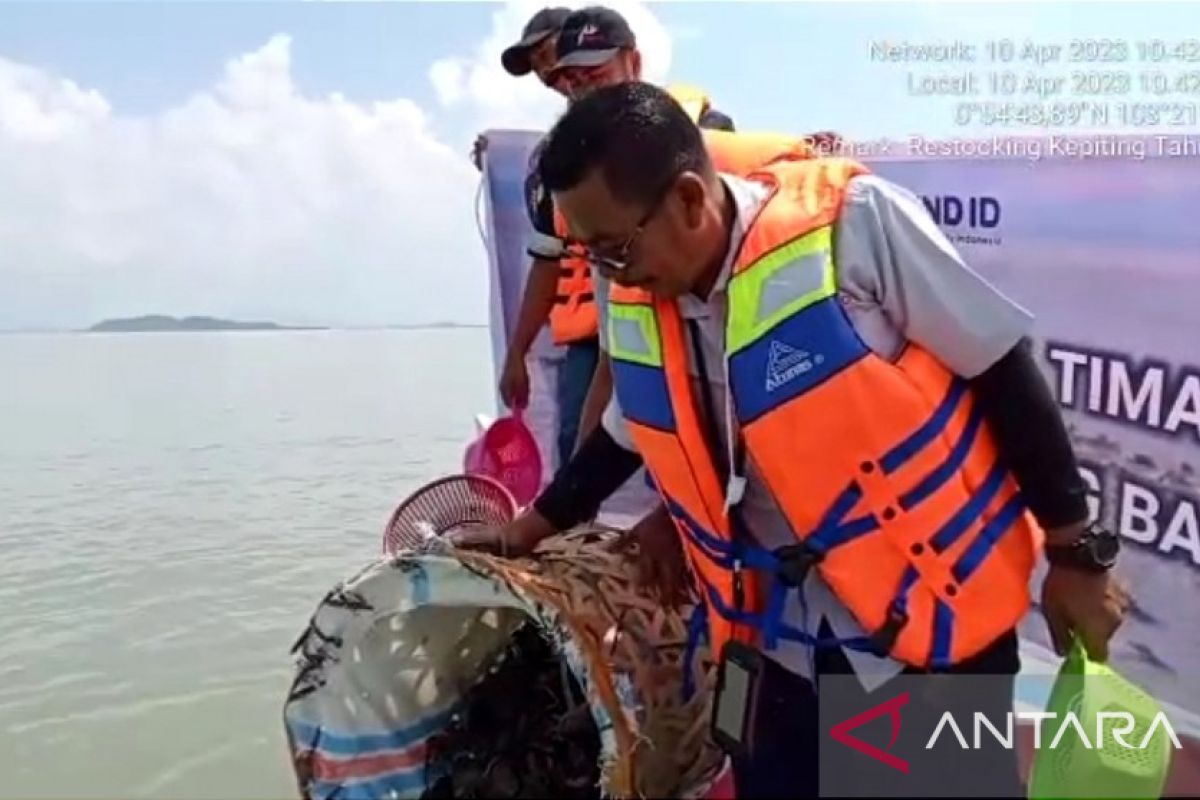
(785, 363)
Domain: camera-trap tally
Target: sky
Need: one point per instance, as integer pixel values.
(306, 162)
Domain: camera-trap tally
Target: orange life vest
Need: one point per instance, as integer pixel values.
(573, 317)
(886, 472)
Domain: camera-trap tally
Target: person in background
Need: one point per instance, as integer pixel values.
(597, 48)
(535, 52)
(845, 423)
(594, 47)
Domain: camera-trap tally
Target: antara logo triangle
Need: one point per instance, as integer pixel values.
(841, 731)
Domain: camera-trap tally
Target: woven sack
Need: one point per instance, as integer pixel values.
(389, 654)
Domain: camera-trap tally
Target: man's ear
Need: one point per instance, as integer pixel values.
(635, 64)
(692, 193)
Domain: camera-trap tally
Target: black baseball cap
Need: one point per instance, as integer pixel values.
(591, 36)
(541, 26)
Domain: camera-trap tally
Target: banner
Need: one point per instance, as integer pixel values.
(1105, 252)
(506, 232)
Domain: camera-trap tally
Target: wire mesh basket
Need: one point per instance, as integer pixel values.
(456, 501)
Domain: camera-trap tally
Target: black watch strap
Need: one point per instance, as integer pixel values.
(1095, 550)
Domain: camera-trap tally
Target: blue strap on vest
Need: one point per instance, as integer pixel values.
(779, 565)
(788, 566)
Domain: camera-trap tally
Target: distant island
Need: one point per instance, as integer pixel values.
(425, 326)
(160, 322)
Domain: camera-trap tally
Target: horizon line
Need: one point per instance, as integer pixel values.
(284, 328)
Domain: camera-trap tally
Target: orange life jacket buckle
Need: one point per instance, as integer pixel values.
(795, 562)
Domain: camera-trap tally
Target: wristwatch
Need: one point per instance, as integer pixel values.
(1094, 551)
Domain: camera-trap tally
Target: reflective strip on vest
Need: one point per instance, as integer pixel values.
(636, 352)
(779, 285)
(633, 334)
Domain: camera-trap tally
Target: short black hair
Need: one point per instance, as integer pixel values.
(635, 132)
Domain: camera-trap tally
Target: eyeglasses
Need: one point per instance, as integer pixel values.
(618, 260)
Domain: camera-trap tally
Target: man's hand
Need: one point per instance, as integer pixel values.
(514, 381)
(477, 151)
(661, 565)
(1089, 605)
(517, 538)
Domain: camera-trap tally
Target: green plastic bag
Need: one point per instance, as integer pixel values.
(1071, 770)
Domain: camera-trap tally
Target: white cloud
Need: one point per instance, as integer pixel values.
(250, 198)
(253, 199)
(476, 81)
(35, 107)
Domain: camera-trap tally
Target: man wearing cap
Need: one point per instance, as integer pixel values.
(597, 48)
(594, 47)
(533, 52)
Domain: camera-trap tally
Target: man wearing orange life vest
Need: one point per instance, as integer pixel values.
(594, 47)
(845, 423)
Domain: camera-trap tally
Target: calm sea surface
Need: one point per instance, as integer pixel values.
(172, 508)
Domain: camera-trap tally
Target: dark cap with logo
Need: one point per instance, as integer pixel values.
(591, 36)
(543, 24)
